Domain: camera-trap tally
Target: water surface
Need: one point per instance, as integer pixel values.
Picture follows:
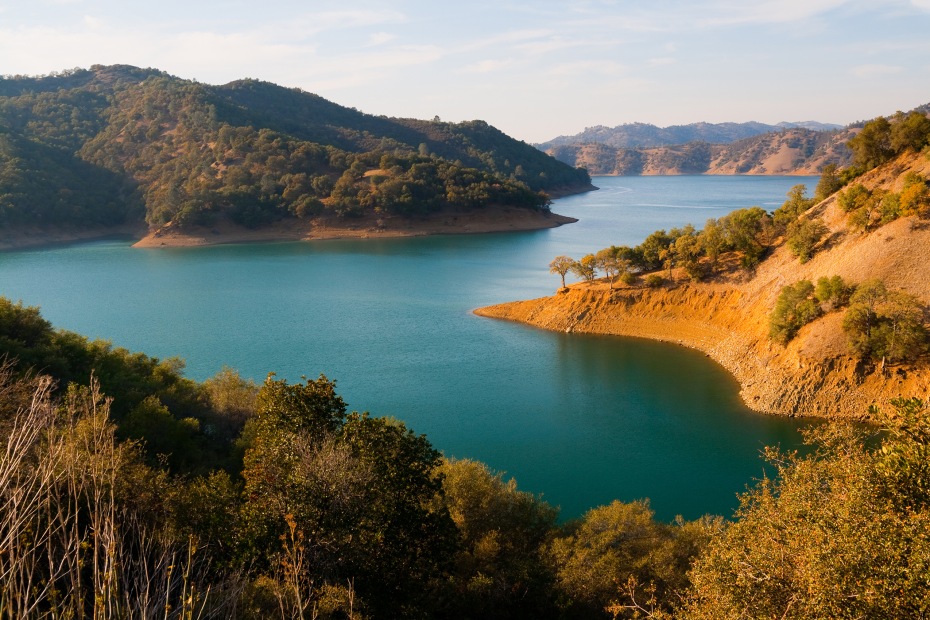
(581, 419)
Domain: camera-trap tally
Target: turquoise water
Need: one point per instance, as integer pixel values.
(581, 419)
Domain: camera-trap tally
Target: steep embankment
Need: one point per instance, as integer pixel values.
(815, 374)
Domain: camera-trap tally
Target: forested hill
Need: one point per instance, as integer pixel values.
(112, 145)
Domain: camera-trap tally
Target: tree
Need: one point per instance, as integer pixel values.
(687, 249)
(792, 208)
(915, 196)
(357, 496)
(743, 229)
(832, 292)
(794, 309)
(840, 532)
(561, 265)
(872, 147)
(904, 332)
(403, 536)
(619, 554)
(803, 235)
(652, 249)
(608, 260)
(232, 399)
(829, 183)
(910, 132)
(500, 571)
(713, 240)
(885, 325)
(586, 268)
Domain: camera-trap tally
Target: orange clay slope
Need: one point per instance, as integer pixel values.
(728, 319)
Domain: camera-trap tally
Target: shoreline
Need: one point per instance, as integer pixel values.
(726, 325)
(484, 221)
(39, 239)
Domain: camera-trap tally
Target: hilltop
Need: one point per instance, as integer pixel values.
(638, 135)
(867, 235)
(119, 148)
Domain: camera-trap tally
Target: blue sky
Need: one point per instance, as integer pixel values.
(534, 69)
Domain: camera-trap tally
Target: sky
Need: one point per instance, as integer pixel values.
(534, 69)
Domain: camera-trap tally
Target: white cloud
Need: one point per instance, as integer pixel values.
(547, 46)
(581, 67)
(727, 13)
(380, 38)
(921, 4)
(488, 66)
(662, 61)
(505, 38)
(325, 21)
(94, 23)
(875, 70)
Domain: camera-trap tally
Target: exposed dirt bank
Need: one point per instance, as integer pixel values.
(487, 220)
(725, 323)
(728, 319)
(26, 238)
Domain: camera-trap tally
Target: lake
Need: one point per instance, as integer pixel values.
(580, 419)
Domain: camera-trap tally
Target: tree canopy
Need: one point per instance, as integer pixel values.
(116, 144)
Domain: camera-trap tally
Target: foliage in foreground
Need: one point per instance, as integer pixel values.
(329, 514)
(843, 532)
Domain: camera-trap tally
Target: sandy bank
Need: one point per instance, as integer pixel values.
(28, 238)
(487, 220)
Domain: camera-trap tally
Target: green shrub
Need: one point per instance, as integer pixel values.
(802, 235)
(654, 280)
(794, 309)
(832, 292)
(885, 325)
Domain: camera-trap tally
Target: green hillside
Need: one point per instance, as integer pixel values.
(118, 144)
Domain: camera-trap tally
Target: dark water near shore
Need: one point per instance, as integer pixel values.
(581, 419)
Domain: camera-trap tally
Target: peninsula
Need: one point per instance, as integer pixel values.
(793, 352)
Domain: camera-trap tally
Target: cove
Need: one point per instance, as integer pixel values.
(580, 419)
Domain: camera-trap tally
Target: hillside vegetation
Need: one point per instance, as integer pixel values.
(820, 308)
(115, 145)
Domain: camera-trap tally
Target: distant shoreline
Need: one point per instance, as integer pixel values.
(43, 238)
(484, 220)
(491, 219)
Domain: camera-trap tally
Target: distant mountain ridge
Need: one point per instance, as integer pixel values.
(637, 135)
(787, 151)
